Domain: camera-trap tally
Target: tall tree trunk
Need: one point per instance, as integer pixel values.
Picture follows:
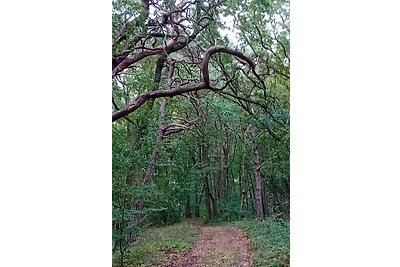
(251, 191)
(150, 170)
(223, 165)
(206, 186)
(147, 179)
(197, 200)
(207, 198)
(214, 206)
(243, 188)
(224, 172)
(258, 194)
(219, 174)
(265, 198)
(155, 155)
(188, 212)
(209, 201)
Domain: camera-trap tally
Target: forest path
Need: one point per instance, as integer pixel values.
(220, 246)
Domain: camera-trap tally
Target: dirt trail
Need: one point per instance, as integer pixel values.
(220, 246)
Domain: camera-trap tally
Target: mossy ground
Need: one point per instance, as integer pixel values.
(155, 245)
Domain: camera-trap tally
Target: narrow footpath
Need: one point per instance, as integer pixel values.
(218, 246)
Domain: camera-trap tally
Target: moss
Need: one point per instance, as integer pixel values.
(155, 245)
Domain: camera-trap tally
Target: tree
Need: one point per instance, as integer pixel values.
(200, 124)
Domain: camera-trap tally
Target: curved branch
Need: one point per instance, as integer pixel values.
(204, 84)
(171, 47)
(131, 60)
(141, 99)
(218, 49)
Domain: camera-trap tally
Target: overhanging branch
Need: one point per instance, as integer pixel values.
(204, 84)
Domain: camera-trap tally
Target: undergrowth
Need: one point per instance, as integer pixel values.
(270, 241)
(155, 244)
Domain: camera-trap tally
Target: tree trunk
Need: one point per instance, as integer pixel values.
(224, 172)
(251, 191)
(197, 200)
(147, 180)
(206, 187)
(258, 194)
(223, 165)
(155, 156)
(207, 198)
(214, 206)
(265, 198)
(188, 212)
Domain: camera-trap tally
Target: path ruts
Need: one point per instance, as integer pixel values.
(218, 246)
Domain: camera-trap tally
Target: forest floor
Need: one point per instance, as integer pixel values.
(220, 246)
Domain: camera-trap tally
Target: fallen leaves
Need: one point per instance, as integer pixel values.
(221, 246)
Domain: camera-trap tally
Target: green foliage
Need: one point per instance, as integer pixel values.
(230, 208)
(262, 28)
(155, 243)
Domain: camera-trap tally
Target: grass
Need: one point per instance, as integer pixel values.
(270, 241)
(156, 244)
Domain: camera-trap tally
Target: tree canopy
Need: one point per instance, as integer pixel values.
(200, 102)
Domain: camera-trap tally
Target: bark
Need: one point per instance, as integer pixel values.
(204, 84)
(155, 156)
(258, 187)
(258, 194)
(245, 198)
(171, 47)
(207, 198)
(141, 99)
(243, 193)
(265, 198)
(138, 206)
(188, 212)
(128, 61)
(224, 167)
(197, 200)
(222, 49)
(251, 192)
(214, 205)
(219, 174)
(206, 187)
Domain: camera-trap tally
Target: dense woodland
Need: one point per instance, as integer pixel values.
(200, 103)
